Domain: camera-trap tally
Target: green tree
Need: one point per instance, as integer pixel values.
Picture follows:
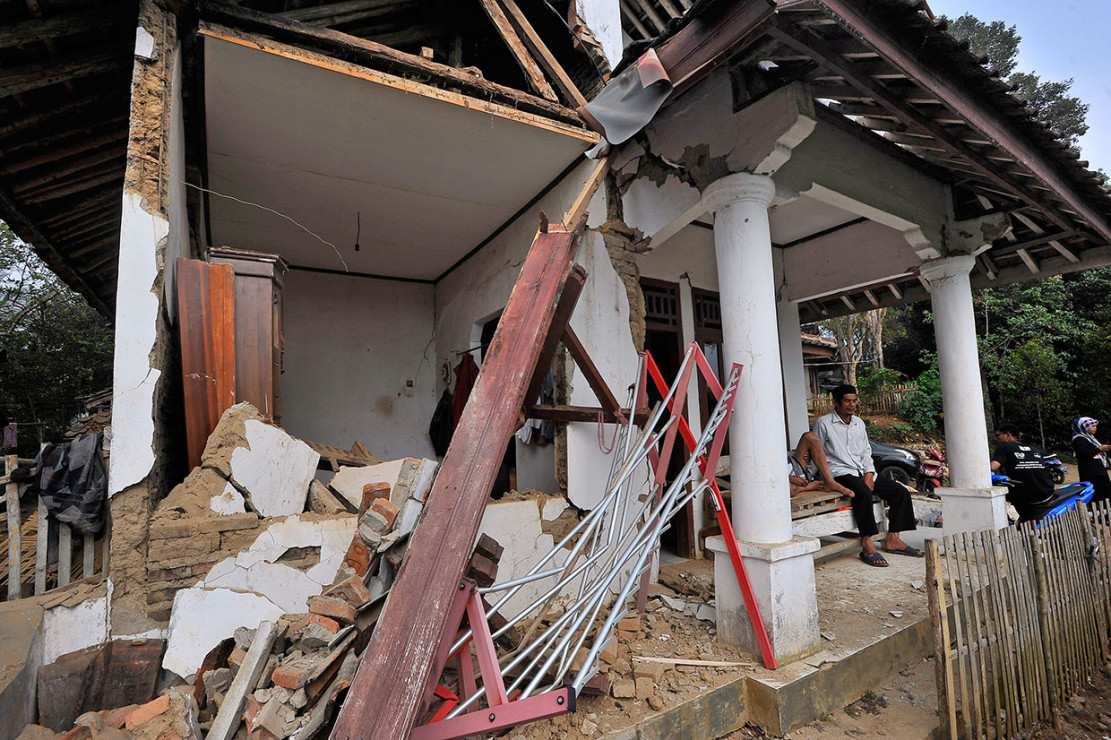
(54, 347)
(1031, 380)
(1049, 100)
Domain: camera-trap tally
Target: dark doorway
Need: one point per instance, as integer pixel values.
(664, 340)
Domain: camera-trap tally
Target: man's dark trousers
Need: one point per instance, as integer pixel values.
(900, 513)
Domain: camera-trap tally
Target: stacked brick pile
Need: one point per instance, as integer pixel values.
(312, 657)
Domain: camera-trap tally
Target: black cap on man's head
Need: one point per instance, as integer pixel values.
(843, 390)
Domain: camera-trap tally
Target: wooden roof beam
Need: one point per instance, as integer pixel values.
(543, 53)
(59, 26)
(26, 230)
(320, 14)
(23, 78)
(965, 104)
(913, 118)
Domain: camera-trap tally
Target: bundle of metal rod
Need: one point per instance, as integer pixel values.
(602, 559)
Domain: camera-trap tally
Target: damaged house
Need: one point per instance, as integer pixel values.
(322, 209)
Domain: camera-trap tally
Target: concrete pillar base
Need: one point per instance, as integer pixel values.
(782, 575)
(973, 509)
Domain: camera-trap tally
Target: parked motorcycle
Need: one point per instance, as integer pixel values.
(1064, 498)
(931, 471)
(1057, 469)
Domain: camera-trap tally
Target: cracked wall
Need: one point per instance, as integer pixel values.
(145, 383)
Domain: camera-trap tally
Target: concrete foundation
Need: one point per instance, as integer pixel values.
(973, 509)
(782, 575)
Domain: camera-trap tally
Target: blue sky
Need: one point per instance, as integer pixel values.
(1060, 39)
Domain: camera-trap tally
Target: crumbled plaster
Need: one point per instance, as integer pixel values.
(274, 469)
(203, 617)
(623, 244)
(258, 567)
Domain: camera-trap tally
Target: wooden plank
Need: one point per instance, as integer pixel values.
(394, 679)
(88, 555)
(577, 212)
(15, 540)
(206, 316)
(989, 588)
(228, 719)
(567, 302)
(527, 64)
(42, 545)
(581, 414)
(590, 371)
(543, 54)
(65, 554)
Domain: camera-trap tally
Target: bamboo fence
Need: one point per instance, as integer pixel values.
(1020, 620)
(880, 401)
(27, 549)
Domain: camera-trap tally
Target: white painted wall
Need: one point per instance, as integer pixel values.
(66, 629)
(601, 321)
(351, 346)
(690, 251)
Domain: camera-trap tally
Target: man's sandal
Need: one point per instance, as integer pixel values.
(874, 559)
(910, 551)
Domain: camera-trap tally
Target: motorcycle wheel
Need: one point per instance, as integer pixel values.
(895, 473)
(1057, 476)
(928, 486)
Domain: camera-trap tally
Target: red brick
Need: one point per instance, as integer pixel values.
(358, 556)
(147, 712)
(629, 624)
(352, 590)
(483, 570)
(489, 547)
(237, 657)
(386, 508)
(116, 717)
(329, 606)
(329, 624)
(296, 673)
(254, 706)
(372, 492)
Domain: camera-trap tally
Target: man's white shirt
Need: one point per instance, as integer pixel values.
(846, 445)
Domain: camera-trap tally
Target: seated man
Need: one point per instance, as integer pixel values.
(808, 469)
(1023, 463)
(845, 442)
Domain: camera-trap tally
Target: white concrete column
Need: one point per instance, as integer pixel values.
(780, 567)
(966, 437)
(969, 502)
(742, 242)
(795, 388)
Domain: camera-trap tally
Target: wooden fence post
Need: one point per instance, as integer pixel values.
(15, 540)
(943, 665)
(1051, 663)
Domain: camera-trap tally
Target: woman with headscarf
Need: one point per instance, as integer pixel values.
(1091, 456)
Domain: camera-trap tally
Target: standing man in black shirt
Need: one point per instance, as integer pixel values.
(1023, 463)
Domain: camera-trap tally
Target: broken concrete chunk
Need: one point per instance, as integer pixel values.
(201, 618)
(243, 637)
(373, 523)
(217, 681)
(410, 515)
(323, 501)
(407, 478)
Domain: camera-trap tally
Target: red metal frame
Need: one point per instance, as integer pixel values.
(501, 711)
(709, 462)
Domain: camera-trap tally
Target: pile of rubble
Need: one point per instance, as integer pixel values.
(271, 583)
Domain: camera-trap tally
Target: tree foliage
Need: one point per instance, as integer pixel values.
(54, 348)
(1049, 99)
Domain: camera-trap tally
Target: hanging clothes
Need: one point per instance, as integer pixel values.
(442, 424)
(466, 372)
(537, 431)
(10, 436)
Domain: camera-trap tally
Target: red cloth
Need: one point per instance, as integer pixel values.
(466, 372)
